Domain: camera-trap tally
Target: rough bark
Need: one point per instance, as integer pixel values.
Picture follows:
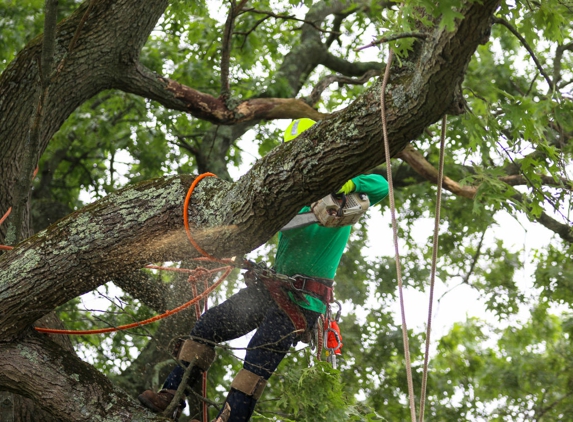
(64, 385)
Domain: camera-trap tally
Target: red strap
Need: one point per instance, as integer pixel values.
(280, 297)
(323, 291)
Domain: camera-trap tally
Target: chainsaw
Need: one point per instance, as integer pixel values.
(332, 211)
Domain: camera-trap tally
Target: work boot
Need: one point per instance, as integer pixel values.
(158, 402)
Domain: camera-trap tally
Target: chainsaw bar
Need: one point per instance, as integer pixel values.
(301, 220)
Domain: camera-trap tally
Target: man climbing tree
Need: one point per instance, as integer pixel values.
(140, 96)
(281, 310)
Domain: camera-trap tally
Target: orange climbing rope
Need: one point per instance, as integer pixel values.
(186, 216)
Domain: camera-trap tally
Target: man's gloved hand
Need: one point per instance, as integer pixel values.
(347, 188)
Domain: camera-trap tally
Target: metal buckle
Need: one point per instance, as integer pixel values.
(294, 280)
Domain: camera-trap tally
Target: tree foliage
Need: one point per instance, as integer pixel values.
(142, 94)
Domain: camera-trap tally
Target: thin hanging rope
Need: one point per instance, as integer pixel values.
(395, 235)
(433, 271)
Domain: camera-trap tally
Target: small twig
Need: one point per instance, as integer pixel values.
(234, 11)
(287, 17)
(531, 84)
(180, 390)
(476, 256)
(335, 34)
(393, 38)
(211, 403)
(185, 145)
(255, 26)
(565, 83)
(466, 277)
(226, 49)
(527, 47)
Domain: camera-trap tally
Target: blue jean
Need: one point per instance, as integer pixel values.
(251, 308)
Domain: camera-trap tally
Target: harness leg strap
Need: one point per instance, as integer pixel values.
(249, 383)
(200, 354)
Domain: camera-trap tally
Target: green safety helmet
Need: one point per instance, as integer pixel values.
(297, 127)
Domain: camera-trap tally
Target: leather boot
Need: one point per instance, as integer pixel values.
(158, 402)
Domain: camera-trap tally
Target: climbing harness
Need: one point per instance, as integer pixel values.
(279, 284)
(328, 332)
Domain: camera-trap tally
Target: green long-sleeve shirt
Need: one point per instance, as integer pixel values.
(314, 250)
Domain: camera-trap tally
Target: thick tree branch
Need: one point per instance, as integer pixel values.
(171, 94)
(311, 51)
(37, 368)
(427, 171)
(336, 64)
(415, 159)
(20, 217)
(93, 72)
(564, 231)
(519, 180)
